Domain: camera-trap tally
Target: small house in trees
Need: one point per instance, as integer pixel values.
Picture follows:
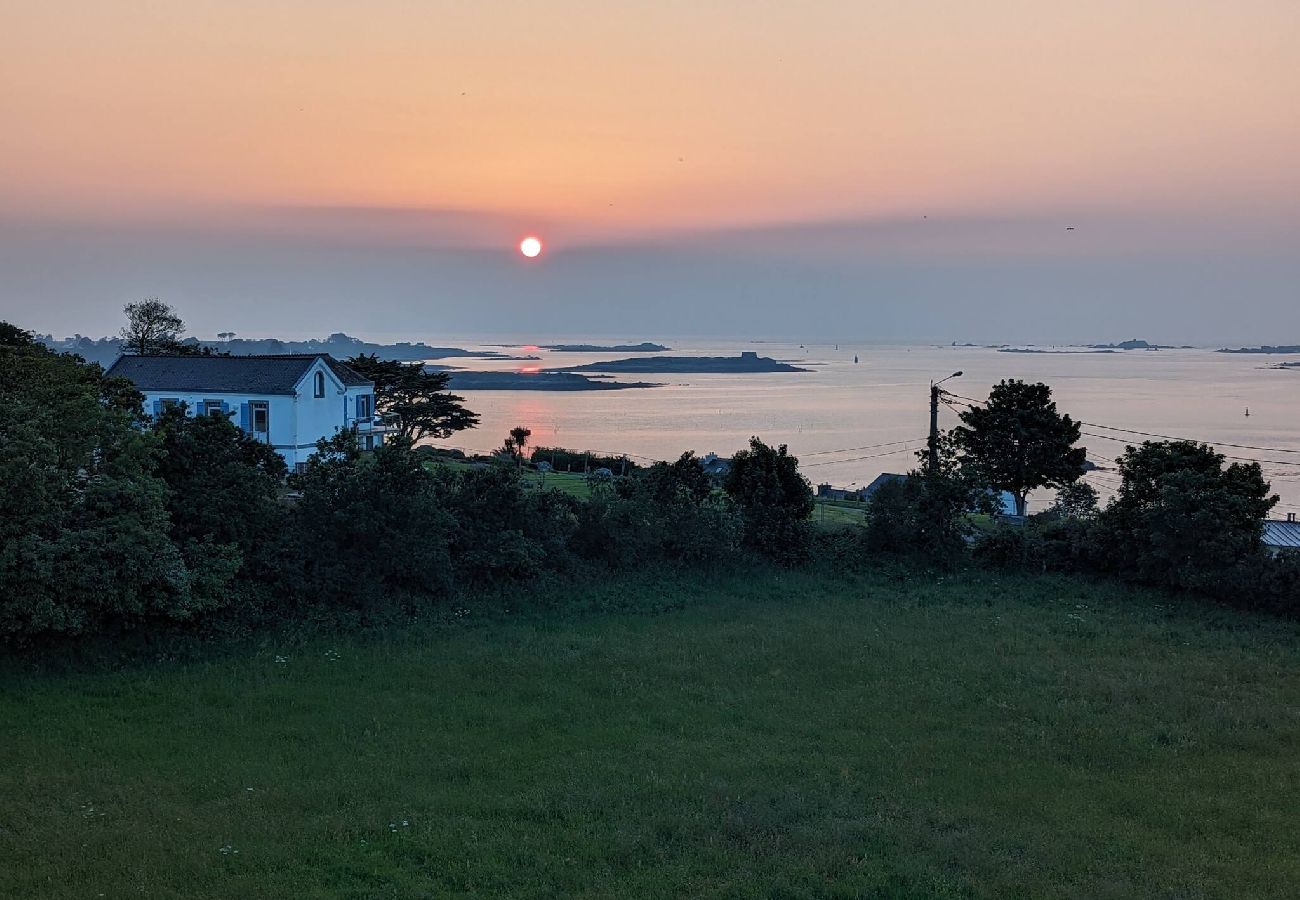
(1282, 536)
(289, 401)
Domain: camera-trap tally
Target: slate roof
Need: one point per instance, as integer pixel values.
(271, 374)
(1282, 534)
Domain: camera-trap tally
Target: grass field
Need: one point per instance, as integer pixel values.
(771, 735)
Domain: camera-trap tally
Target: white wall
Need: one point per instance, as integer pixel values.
(297, 422)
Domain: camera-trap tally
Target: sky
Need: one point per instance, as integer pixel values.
(933, 170)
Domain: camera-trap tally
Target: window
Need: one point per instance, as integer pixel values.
(363, 406)
(168, 404)
(320, 384)
(214, 408)
(370, 442)
(261, 411)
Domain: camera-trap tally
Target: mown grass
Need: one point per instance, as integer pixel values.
(815, 734)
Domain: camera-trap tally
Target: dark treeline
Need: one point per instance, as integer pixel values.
(111, 522)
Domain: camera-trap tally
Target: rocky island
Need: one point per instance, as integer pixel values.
(747, 362)
(1283, 348)
(461, 380)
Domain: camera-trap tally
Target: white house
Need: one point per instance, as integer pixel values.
(290, 400)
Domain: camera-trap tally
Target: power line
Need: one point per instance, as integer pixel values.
(874, 455)
(1107, 437)
(867, 447)
(1194, 440)
(1267, 462)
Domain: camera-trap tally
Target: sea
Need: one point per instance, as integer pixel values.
(848, 421)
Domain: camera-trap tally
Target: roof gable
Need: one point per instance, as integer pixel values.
(277, 374)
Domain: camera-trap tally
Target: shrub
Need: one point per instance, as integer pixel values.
(664, 513)
(84, 529)
(773, 499)
(1181, 518)
(222, 498)
(503, 530)
(368, 528)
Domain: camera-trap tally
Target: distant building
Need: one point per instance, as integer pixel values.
(714, 465)
(289, 401)
(830, 492)
(880, 481)
(1282, 536)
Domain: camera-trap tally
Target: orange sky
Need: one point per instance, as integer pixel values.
(604, 116)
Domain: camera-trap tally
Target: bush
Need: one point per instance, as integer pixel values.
(369, 528)
(223, 498)
(503, 530)
(1181, 518)
(773, 499)
(665, 513)
(926, 514)
(84, 528)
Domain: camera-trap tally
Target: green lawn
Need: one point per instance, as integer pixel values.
(772, 735)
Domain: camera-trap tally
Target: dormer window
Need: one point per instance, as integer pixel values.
(320, 384)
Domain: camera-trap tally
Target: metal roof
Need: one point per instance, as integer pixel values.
(270, 374)
(1282, 534)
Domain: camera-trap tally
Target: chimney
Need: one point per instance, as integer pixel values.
(1290, 517)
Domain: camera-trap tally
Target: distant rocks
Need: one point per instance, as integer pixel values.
(1037, 350)
(462, 380)
(1284, 348)
(1133, 344)
(746, 362)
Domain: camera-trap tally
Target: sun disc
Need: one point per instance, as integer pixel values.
(530, 247)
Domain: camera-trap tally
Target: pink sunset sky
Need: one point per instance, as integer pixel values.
(249, 161)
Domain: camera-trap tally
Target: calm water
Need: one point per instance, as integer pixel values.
(883, 398)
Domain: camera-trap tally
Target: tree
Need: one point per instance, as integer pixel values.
(1181, 518)
(928, 513)
(1018, 442)
(1076, 501)
(413, 399)
(84, 528)
(151, 327)
(774, 500)
(517, 441)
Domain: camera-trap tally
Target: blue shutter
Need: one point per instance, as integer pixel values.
(244, 422)
(225, 409)
(157, 408)
(201, 408)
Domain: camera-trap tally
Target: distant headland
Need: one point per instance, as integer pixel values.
(339, 345)
(643, 347)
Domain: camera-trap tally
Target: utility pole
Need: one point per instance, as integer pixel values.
(934, 428)
(933, 443)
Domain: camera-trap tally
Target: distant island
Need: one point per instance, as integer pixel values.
(747, 362)
(1284, 348)
(535, 381)
(1133, 344)
(339, 345)
(643, 347)
(1064, 352)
